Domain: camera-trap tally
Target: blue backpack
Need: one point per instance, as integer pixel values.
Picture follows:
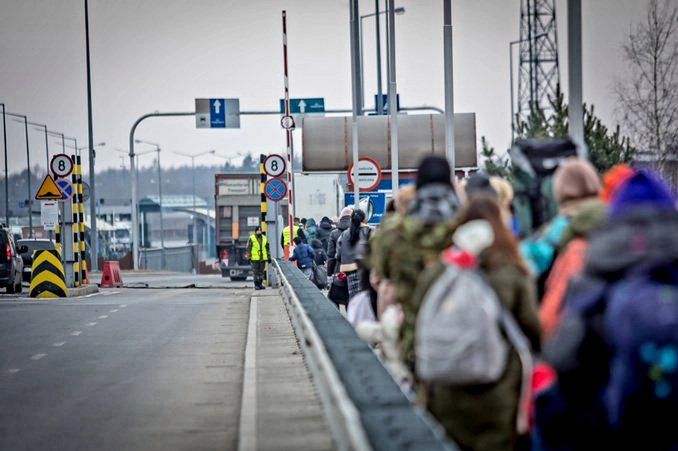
(641, 328)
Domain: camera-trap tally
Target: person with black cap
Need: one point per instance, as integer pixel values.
(416, 239)
(257, 247)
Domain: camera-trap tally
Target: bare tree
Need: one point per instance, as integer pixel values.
(648, 96)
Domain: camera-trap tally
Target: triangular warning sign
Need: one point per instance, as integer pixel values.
(48, 190)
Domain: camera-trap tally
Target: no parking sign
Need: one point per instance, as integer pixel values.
(275, 189)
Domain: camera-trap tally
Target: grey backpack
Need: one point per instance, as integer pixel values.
(459, 339)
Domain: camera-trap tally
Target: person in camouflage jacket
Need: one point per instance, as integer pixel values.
(409, 243)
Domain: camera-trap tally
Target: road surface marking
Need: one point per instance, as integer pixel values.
(89, 295)
(248, 409)
(93, 323)
(75, 333)
(38, 356)
(13, 370)
(108, 293)
(58, 344)
(113, 311)
(123, 305)
(103, 316)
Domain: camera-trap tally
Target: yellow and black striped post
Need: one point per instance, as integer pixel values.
(81, 216)
(58, 239)
(76, 222)
(47, 275)
(264, 205)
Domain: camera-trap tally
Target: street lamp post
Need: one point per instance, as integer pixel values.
(162, 224)
(4, 137)
(193, 157)
(28, 164)
(380, 101)
(92, 205)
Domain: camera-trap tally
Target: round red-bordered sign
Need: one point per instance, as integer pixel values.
(61, 165)
(369, 174)
(275, 189)
(287, 122)
(274, 165)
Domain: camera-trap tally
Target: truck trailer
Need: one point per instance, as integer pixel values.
(238, 213)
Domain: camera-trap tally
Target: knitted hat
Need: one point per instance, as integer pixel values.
(643, 189)
(347, 211)
(434, 169)
(613, 179)
(575, 179)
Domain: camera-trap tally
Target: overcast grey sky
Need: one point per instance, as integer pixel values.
(152, 55)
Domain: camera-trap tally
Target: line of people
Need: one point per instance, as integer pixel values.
(564, 340)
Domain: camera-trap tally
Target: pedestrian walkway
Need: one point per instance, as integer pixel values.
(281, 409)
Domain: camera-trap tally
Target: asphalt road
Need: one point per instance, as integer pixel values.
(123, 369)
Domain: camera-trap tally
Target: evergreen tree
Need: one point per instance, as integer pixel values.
(493, 164)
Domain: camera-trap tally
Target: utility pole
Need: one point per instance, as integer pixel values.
(356, 99)
(393, 96)
(377, 18)
(574, 69)
(92, 188)
(449, 86)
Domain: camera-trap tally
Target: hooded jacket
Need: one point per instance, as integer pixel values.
(323, 232)
(343, 224)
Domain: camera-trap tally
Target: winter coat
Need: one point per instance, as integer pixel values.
(483, 417)
(579, 349)
(311, 230)
(347, 253)
(320, 255)
(323, 233)
(407, 244)
(343, 224)
(569, 263)
(303, 255)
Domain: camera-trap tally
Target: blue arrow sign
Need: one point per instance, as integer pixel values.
(217, 113)
(304, 106)
(378, 202)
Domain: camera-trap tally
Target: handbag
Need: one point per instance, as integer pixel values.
(338, 290)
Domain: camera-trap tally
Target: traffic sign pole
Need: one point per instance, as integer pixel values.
(288, 133)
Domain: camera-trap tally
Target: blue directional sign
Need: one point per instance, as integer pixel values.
(384, 100)
(217, 113)
(377, 201)
(304, 106)
(275, 189)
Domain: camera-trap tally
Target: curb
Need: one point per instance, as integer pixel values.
(82, 291)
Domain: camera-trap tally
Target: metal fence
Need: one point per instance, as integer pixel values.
(365, 408)
(178, 259)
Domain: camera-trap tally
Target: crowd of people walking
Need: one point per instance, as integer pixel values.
(565, 338)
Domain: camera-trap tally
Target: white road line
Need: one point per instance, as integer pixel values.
(113, 311)
(108, 293)
(123, 305)
(58, 344)
(38, 356)
(75, 333)
(89, 295)
(13, 370)
(248, 409)
(93, 323)
(103, 316)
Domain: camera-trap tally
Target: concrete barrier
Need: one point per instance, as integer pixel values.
(177, 259)
(365, 408)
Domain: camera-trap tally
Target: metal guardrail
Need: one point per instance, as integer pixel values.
(365, 408)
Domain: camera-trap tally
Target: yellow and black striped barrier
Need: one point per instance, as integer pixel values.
(47, 275)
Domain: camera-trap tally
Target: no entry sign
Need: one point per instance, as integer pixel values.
(369, 174)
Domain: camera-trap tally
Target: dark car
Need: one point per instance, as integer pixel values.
(11, 264)
(28, 246)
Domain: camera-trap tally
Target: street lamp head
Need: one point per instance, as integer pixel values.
(400, 10)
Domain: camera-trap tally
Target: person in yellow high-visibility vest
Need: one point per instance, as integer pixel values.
(257, 247)
(285, 239)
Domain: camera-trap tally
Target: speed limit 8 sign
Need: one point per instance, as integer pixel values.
(61, 165)
(274, 165)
